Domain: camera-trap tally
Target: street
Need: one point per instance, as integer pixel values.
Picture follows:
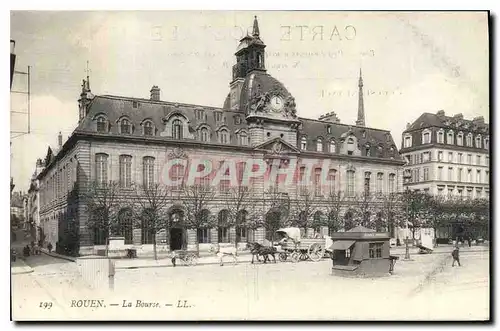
(420, 289)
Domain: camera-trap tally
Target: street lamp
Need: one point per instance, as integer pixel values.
(407, 177)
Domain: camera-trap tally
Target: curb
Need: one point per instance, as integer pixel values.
(26, 269)
(58, 256)
(22, 272)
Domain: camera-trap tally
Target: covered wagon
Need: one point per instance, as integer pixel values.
(299, 249)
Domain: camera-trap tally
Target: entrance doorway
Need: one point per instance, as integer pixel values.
(175, 239)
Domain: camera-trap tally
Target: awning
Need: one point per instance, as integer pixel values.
(341, 245)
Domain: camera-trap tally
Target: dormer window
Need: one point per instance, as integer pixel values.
(218, 116)
(125, 126)
(333, 146)
(380, 151)
(319, 145)
(102, 124)
(440, 137)
(468, 140)
(478, 142)
(243, 138)
(177, 129)
(460, 139)
(135, 104)
(204, 134)
(237, 120)
(486, 143)
(426, 137)
(350, 146)
(329, 129)
(407, 141)
(148, 128)
(303, 143)
(449, 138)
(199, 114)
(223, 137)
(368, 150)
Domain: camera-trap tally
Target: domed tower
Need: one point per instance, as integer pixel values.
(268, 106)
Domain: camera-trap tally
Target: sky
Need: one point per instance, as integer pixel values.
(411, 63)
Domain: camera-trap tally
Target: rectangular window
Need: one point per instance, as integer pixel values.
(427, 156)
(223, 235)
(224, 185)
(148, 171)
(303, 185)
(450, 174)
(469, 158)
(350, 183)
(478, 159)
(125, 170)
(450, 156)
(459, 175)
(469, 175)
(101, 168)
(203, 236)
(241, 234)
(440, 156)
(367, 183)
(459, 158)
(177, 176)
(392, 179)
(375, 250)
(440, 173)
(332, 178)
(478, 176)
(487, 161)
(407, 142)
(380, 181)
(317, 181)
(427, 138)
(487, 177)
(426, 173)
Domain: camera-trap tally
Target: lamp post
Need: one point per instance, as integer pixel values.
(407, 177)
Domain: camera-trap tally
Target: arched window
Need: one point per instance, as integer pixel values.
(204, 134)
(332, 180)
(380, 182)
(125, 225)
(243, 138)
(367, 182)
(303, 143)
(392, 183)
(177, 176)
(148, 128)
(102, 124)
(460, 139)
(148, 171)
(333, 146)
(125, 127)
(368, 150)
(426, 137)
(319, 145)
(449, 138)
(223, 228)
(101, 168)
(486, 143)
(223, 137)
(125, 170)
(177, 129)
(469, 140)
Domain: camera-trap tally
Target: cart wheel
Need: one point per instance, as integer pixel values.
(192, 260)
(282, 257)
(295, 257)
(315, 252)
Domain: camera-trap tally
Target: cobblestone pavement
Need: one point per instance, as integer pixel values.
(425, 288)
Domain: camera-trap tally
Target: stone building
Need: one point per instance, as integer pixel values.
(135, 140)
(448, 155)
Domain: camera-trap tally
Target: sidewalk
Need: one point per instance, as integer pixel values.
(20, 267)
(58, 256)
(441, 249)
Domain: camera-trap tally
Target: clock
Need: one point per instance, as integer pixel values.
(276, 103)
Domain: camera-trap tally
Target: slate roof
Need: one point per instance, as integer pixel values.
(427, 120)
(115, 107)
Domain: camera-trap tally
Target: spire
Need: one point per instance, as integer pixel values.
(88, 77)
(255, 31)
(361, 106)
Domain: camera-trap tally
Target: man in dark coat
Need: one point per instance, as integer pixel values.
(456, 257)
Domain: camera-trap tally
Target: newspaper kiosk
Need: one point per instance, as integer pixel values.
(361, 252)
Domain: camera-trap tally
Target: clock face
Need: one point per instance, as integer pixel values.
(276, 103)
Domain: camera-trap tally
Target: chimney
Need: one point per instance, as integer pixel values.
(59, 140)
(155, 93)
(478, 120)
(440, 113)
(408, 125)
(329, 117)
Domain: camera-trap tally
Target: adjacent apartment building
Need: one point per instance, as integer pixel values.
(448, 156)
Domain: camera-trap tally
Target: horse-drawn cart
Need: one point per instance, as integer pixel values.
(187, 257)
(301, 249)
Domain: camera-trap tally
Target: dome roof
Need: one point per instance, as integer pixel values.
(258, 83)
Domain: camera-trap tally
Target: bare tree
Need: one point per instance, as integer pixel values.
(391, 211)
(196, 199)
(363, 210)
(416, 208)
(103, 203)
(153, 200)
(278, 205)
(334, 201)
(303, 209)
(238, 203)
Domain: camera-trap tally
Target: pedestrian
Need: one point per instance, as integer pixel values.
(456, 257)
(49, 247)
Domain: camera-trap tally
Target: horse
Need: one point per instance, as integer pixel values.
(224, 251)
(258, 249)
